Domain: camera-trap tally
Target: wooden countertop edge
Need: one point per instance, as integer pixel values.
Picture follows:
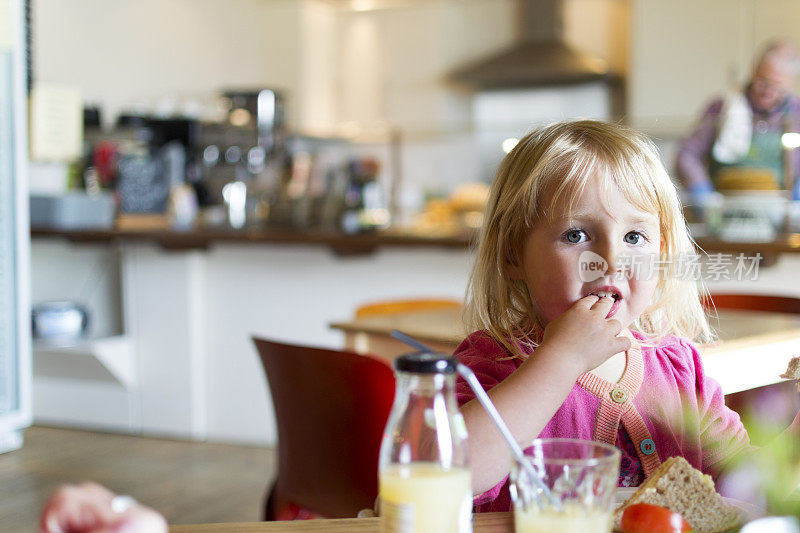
(341, 243)
(349, 524)
(346, 244)
(483, 522)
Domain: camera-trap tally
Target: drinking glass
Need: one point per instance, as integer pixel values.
(582, 478)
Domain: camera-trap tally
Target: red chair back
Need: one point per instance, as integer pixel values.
(753, 302)
(331, 408)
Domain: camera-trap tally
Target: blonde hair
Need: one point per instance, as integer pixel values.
(548, 168)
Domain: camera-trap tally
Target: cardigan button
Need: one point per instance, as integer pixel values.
(647, 446)
(619, 395)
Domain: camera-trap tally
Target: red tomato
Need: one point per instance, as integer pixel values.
(647, 518)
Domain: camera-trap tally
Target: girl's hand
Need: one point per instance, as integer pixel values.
(582, 334)
(91, 508)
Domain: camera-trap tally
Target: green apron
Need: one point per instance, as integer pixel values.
(766, 153)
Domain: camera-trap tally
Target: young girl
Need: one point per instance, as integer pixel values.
(577, 344)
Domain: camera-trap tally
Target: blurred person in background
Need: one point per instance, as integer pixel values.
(92, 508)
(737, 144)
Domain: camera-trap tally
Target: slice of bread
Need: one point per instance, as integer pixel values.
(793, 370)
(682, 488)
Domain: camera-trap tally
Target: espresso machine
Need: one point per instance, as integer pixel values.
(244, 151)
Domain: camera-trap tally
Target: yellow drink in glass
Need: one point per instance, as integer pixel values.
(424, 497)
(581, 478)
(569, 520)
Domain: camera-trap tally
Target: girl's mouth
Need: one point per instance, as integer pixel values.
(609, 291)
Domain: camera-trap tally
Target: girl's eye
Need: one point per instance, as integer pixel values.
(575, 236)
(634, 237)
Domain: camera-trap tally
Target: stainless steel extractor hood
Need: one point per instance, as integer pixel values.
(540, 58)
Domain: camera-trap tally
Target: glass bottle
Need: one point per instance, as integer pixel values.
(424, 476)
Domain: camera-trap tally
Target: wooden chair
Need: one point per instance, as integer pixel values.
(782, 394)
(388, 307)
(331, 408)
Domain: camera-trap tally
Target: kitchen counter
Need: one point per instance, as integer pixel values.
(363, 243)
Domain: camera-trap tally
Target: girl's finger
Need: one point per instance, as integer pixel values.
(586, 302)
(603, 305)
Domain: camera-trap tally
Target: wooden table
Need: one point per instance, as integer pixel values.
(484, 523)
(753, 349)
(442, 330)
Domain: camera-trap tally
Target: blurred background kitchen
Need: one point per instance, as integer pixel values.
(201, 171)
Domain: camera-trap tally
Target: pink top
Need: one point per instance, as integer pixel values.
(663, 406)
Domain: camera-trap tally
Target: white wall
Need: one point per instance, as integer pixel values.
(685, 52)
(395, 62)
(125, 53)
(381, 67)
(336, 65)
(318, 52)
(600, 28)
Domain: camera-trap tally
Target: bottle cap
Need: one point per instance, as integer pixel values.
(426, 363)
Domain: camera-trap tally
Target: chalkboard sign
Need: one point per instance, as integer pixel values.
(142, 184)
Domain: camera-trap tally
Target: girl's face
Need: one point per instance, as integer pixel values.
(562, 258)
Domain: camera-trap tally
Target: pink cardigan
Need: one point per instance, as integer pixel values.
(664, 403)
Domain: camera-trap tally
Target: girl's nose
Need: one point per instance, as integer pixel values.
(612, 256)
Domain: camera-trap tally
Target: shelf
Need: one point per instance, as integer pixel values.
(106, 359)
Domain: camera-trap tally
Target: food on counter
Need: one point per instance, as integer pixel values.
(437, 220)
(648, 518)
(462, 210)
(470, 197)
(682, 488)
(793, 371)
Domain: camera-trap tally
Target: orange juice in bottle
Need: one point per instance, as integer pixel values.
(424, 477)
